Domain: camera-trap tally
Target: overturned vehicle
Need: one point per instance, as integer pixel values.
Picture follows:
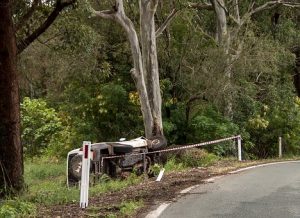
(131, 155)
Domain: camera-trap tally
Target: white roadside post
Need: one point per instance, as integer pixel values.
(85, 174)
(239, 142)
(160, 175)
(280, 147)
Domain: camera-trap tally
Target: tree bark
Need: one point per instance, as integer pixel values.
(145, 71)
(59, 6)
(11, 159)
(223, 39)
(222, 30)
(150, 63)
(296, 51)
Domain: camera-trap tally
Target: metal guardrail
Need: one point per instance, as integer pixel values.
(85, 173)
(238, 138)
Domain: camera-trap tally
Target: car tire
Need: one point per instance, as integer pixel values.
(158, 142)
(75, 167)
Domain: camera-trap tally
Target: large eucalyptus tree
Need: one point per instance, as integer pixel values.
(145, 71)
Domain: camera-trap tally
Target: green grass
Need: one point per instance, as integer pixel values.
(17, 208)
(190, 158)
(173, 165)
(129, 207)
(46, 185)
(114, 185)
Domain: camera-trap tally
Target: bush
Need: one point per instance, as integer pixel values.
(39, 124)
(208, 124)
(198, 157)
(282, 119)
(17, 208)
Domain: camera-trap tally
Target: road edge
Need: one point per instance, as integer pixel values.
(158, 211)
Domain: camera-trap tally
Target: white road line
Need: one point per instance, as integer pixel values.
(184, 191)
(262, 165)
(158, 211)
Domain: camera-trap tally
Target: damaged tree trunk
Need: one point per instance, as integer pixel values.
(145, 72)
(150, 63)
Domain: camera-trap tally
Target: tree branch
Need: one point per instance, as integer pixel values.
(160, 30)
(267, 6)
(60, 5)
(200, 6)
(223, 7)
(27, 15)
(107, 14)
(272, 4)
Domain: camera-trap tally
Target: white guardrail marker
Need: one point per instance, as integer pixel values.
(85, 174)
(280, 147)
(239, 141)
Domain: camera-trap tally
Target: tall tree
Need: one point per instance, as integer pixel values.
(145, 71)
(11, 152)
(11, 161)
(229, 36)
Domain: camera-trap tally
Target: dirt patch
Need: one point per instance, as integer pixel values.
(150, 192)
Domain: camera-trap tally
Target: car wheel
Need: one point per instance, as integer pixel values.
(158, 142)
(75, 167)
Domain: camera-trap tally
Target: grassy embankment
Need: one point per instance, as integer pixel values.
(46, 183)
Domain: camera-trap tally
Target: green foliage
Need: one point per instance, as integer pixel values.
(198, 158)
(188, 159)
(46, 182)
(155, 169)
(102, 113)
(46, 185)
(17, 208)
(43, 168)
(114, 185)
(173, 165)
(83, 72)
(39, 125)
(175, 125)
(128, 208)
(282, 120)
(207, 125)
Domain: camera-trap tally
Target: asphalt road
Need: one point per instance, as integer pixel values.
(269, 191)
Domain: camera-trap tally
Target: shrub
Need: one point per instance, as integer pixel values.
(39, 124)
(282, 119)
(198, 157)
(208, 124)
(17, 208)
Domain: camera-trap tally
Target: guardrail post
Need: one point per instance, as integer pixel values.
(85, 174)
(239, 143)
(280, 147)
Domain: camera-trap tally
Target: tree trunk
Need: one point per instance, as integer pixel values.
(296, 51)
(222, 30)
(145, 71)
(11, 159)
(137, 72)
(223, 39)
(150, 63)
